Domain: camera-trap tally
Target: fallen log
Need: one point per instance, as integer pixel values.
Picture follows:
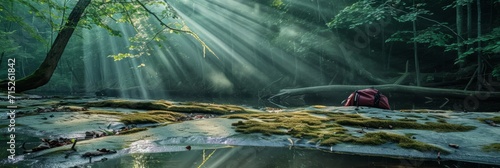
(400, 97)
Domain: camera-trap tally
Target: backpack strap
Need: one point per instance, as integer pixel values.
(377, 99)
(356, 99)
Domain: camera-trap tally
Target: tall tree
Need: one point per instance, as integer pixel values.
(459, 19)
(43, 74)
(469, 21)
(126, 10)
(479, 53)
(415, 54)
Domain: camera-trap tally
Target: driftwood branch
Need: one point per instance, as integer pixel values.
(400, 96)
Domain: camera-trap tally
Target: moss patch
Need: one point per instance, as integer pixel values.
(319, 106)
(189, 107)
(423, 111)
(295, 124)
(378, 138)
(144, 105)
(495, 119)
(494, 147)
(407, 120)
(151, 117)
(377, 123)
(133, 130)
(103, 112)
(441, 120)
(325, 131)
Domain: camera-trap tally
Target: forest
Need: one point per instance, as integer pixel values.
(250, 83)
(247, 50)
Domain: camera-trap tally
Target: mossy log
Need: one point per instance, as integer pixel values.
(400, 97)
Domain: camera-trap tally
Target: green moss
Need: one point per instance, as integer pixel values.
(377, 123)
(144, 105)
(379, 138)
(189, 107)
(330, 141)
(238, 117)
(102, 112)
(441, 120)
(133, 130)
(494, 147)
(151, 117)
(447, 127)
(296, 124)
(409, 135)
(319, 106)
(423, 111)
(329, 131)
(407, 120)
(495, 119)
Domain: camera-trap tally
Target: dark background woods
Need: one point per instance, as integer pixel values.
(261, 46)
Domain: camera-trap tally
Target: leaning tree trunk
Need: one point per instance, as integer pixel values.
(43, 74)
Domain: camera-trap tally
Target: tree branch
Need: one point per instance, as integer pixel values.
(203, 44)
(158, 18)
(428, 19)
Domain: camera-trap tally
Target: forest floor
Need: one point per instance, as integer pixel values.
(159, 126)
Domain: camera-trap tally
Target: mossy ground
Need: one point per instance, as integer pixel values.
(188, 107)
(423, 111)
(143, 105)
(153, 116)
(328, 129)
(398, 124)
(378, 138)
(494, 147)
(495, 119)
(133, 130)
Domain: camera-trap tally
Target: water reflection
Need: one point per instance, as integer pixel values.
(249, 156)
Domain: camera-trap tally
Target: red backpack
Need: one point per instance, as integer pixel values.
(368, 97)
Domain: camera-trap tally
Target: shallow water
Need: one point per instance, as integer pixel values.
(250, 156)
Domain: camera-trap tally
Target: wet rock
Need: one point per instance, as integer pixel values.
(116, 125)
(99, 152)
(490, 122)
(453, 145)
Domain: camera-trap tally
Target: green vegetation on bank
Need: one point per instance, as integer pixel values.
(188, 107)
(327, 128)
(494, 147)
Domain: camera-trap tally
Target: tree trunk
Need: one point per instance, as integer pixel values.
(43, 74)
(469, 21)
(479, 54)
(459, 31)
(417, 64)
